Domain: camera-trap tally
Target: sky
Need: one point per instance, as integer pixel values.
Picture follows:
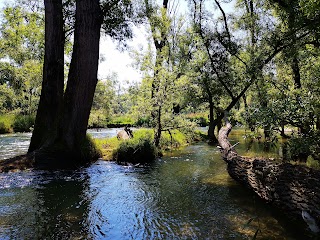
(113, 60)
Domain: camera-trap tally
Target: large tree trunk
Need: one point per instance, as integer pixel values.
(82, 77)
(50, 105)
(293, 189)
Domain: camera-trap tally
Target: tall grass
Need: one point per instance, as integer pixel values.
(140, 149)
(23, 123)
(6, 122)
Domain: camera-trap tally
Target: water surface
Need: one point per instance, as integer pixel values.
(185, 195)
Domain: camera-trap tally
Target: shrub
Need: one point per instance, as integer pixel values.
(89, 149)
(143, 122)
(97, 119)
(299, 147)
(173, 138)
(23, 123)
(141, 150)
(200, 119)
(6, 122)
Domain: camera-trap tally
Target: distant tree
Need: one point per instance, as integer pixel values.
(21, 54)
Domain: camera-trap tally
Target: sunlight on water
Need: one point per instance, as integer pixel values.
(18, 143)
(14, 144)
(185, 195)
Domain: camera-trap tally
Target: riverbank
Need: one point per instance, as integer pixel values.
(293, 189)
(169, 140)
(105, 140)
(187, 194)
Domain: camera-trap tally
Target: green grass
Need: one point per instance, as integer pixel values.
(23, 123)
(141, 144)
(6, 123)
(200, 118)
(121, 120)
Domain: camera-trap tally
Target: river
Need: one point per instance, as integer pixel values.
(187, 194)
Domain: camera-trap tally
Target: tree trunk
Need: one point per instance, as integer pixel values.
(157, 135)
(212, 124)
(294, 189)
(159, 45)
(82, 79)
(50, 105)
(296, 71)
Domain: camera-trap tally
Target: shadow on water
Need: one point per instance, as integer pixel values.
(42, 205)
(187, 194)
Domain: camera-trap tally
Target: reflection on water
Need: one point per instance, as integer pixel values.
(185, 195)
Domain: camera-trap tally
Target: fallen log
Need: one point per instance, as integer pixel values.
(294, 189)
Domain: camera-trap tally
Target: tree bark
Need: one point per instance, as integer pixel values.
(294, 189)
(50, 105)
(82, 79)
(212, 123)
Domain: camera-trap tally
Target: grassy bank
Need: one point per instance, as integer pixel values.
(6, 123)
(141, 145)
(16, 123)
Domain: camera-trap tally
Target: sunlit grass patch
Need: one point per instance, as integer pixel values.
(6, 122)
(142, 141)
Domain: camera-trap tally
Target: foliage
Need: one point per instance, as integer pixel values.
(6, 122)
(89, 149)
(8, 99)
(143, 140)
(201, 119)
(300, 146)
(143, 121)
(21, 54)
(23, 123)
(120, 120)
(97, 119)
(136, 150)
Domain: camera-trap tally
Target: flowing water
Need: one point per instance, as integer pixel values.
(185, 195)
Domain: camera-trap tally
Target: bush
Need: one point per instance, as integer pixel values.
(173, 138)
(121, 120)
(141, 150)
(6, 122)
(89, 149)
(23, 123)
(143, 122)
(97, 119)
(300, 146)
(199, 118)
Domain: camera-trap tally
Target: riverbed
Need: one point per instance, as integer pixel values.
(187, 194)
